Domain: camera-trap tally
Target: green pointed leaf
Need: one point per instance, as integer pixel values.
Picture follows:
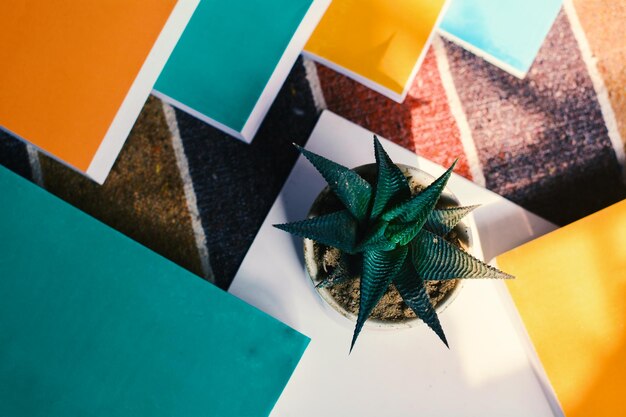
(440, 222)
(353, 191)
(379, 268)
(437, 259)
(420, 205)
(411, 288)
(391, 186)
(335, 229)
(402, 233)
(376, 239)
(340, 274)
(408, 218)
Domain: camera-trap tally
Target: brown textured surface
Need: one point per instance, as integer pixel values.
(143, 196)
(604, 23)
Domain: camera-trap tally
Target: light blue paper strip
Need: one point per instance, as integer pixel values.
(507, 33)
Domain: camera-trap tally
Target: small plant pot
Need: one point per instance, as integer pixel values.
(391, 312)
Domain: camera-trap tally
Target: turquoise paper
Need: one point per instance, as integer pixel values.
(94, 324)
(511, 31)
(227, 54)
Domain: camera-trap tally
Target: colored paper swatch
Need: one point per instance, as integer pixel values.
(92, 323)
(75, 74)
(569, 291)
(378, 43)
(233, 58)
(506, 33)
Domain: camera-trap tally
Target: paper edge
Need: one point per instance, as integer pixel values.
(45, 152)
(479, 52)
(226, 129)
(533, 357)
(424, 52)
(393, 95)
(276, 80)
(396, 96)
(282, 69)
(127, 113)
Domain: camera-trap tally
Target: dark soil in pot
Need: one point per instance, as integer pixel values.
(391, 308)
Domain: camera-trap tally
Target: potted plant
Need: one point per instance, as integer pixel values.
(387, 236)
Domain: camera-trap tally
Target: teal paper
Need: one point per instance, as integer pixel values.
(94, 324)
(227, 54)
(510, 31)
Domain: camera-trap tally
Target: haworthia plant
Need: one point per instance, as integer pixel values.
(399, 235)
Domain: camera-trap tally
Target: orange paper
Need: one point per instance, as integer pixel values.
(68, 65)
(378, 42)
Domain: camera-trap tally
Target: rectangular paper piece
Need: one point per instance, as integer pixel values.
(569, 292)
(75, 74)
(94, 324)
(234, 57)
(378, 43)
(507, 33)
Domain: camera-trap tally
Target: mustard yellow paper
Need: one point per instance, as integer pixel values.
(570, 291)
(380, 40)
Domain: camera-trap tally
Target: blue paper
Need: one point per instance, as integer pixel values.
(507, 33)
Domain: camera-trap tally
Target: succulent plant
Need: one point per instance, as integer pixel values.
(400, 236)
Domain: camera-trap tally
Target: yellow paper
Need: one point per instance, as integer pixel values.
(376, 41)
(570, 291)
